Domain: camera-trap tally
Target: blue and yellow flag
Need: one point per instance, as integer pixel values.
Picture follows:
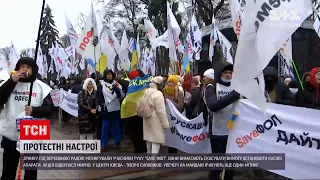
(102, 65)
(186, 62)
(134, 56)
(135, 92)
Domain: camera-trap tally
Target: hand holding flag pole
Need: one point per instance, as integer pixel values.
(31, 86)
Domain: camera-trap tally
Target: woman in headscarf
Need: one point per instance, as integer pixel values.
(87, 109)
(309, 97)
(171, 91)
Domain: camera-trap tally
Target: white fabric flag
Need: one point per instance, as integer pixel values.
(73, 36)
(236, 15)
(316, 26)
(85, 45)
(30, 53)
(113, 40)
(260, 39)
(39, 62)
(124, 52)
(45, 67)
(138, 47)
(13, 58)
(152, 33)
(226, 46)
(286, 53)
(196, 37)
(190, 47)
(108, 49)
(213, 38)
(173, 34)
(162, 40)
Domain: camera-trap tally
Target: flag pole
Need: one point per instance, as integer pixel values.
(297, 73)
(31, 86)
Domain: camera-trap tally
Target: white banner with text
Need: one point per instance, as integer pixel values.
(190, 136)
(285, 129)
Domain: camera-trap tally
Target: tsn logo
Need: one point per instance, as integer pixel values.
(34, 129)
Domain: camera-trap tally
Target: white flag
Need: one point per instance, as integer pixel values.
(138, 47)
(236, 15)
(226, 46)
(213, 38)
(73, 36)
(260, 38)
(124, 52)
(152, 33)
(162, 40)
(13, 58)
(85, 45)
(113, 40)
(286, 53)
(39, 62)
(108, 49)
(173, 34)
(196, 37)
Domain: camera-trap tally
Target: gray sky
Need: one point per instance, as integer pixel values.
(19, 19)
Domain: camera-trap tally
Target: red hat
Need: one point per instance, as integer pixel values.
(312, 80)
(134, 74)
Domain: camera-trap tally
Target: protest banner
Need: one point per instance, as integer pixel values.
(190, 136)
(69, 102)
(55, 96)
(285, 129)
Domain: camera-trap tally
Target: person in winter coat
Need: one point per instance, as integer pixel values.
(310, 96)
(305, 78)
(108, 96)
(276, 91)
(219, 97)
(14, 96)
(87, 109)
(123, 81)
(99, 119)
(154, 126)
(77, 86)
(186, 85)
(293, 86)
(195, 98)
(63, 84)
(171, 91)
(133, 123)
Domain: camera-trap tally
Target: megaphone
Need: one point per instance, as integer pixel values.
(26, 74)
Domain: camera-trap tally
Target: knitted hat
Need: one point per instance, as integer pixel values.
(173, 78)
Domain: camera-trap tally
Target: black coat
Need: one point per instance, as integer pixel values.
(87, 120)
(307, 97)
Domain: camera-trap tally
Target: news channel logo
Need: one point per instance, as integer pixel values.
(285, 18)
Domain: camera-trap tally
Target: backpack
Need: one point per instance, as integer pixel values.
(143, 106)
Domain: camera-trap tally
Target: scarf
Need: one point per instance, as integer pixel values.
(107, 91)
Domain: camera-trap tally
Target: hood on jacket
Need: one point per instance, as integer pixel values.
(219, 67)
(304, 77)
(105, 72)
(31, 62)
(86, 82)
(271, 71)
(312, 81)
(62, 81)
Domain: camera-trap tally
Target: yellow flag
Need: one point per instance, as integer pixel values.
(102, 65)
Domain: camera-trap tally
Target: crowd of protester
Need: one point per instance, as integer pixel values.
(104, 104)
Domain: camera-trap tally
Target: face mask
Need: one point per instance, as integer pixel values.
(294, 90)
(225, 80)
